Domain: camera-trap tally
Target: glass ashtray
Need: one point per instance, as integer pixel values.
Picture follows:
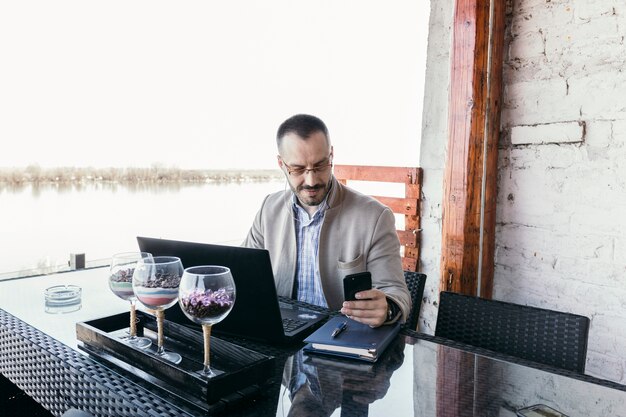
(63, 298)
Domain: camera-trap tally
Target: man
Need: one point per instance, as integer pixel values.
(320, 231)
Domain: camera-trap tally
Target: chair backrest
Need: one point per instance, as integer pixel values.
(74, 412)
(408, 204)
(415, 282)
(544, 336)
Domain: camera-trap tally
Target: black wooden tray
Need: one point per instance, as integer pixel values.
(239, 369)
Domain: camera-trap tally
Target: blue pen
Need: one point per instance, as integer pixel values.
(340, 328)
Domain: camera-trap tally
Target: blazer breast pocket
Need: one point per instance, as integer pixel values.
(353, 266)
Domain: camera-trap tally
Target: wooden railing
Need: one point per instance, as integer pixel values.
(408, 204)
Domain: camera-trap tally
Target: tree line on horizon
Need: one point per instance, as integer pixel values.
(35, 174)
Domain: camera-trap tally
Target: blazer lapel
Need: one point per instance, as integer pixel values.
(287, 267)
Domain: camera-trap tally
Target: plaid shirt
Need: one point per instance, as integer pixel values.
(308, 283)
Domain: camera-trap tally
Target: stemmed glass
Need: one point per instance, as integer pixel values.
(155, 283)
(120, 281)
(206, 296)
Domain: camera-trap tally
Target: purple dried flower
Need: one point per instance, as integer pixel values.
(205, 304)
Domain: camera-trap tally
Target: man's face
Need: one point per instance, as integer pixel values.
(309, 163)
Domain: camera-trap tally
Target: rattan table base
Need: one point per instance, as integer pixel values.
(58, 377)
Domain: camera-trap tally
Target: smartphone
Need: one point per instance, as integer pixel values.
(354, 283)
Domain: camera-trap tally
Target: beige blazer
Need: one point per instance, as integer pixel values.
(358, 234)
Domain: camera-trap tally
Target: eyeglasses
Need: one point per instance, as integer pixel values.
(297, 172)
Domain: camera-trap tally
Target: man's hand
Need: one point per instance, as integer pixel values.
(370, 307)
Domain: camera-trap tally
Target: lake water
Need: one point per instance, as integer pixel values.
(41, 226)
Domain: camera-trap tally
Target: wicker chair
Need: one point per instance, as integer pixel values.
(415, 283)
(545, 336)
(73, 412)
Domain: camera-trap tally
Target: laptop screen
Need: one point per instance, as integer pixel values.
(256, 312)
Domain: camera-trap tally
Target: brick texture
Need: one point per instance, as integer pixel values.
(561, 229)
(561, 223)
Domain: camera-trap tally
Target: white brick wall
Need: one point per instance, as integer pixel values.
(561, 216)
(561, 233)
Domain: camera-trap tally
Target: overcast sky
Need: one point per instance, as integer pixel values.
(202, 84)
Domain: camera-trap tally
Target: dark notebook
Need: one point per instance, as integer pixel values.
(358, 340)
(257, 313)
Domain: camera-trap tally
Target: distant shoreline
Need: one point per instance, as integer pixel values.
(35, 175)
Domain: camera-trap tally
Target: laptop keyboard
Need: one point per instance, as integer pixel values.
(290, 325)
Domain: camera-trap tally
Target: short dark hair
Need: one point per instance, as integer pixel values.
(303, 125)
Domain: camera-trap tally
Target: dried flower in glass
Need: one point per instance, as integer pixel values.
(206, 296)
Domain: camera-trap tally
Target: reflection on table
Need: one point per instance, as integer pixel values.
(317, 385)
(419, 375)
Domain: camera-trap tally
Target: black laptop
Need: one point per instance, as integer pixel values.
(257, 313)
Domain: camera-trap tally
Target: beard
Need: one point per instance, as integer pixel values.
(311, 195)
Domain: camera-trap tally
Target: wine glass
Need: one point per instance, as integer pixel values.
(206, 296)
(155, 283)
(121, 283)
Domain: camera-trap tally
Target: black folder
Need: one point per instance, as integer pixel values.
(358, 340)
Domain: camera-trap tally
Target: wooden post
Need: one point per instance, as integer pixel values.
(471, 166)
(494, 109)
(469, 201)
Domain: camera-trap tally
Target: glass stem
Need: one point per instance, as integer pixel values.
(206, 332)
(133, 320)
(160, 314)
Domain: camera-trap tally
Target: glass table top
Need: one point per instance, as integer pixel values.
(415, 377)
